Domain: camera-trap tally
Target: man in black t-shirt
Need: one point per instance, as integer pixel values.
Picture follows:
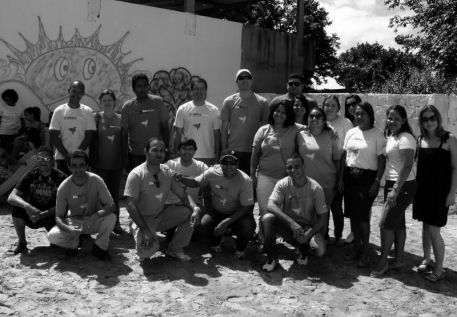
(34, 198)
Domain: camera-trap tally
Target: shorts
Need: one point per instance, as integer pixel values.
(393, 218)
(46, 223)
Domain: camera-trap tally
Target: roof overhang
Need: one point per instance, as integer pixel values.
(178, 5)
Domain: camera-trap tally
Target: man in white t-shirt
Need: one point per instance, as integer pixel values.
(297, 212)
(11, 117)
(199, 120)
(72, 126)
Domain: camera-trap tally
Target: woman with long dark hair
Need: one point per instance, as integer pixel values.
(350, 104)
(301, 109)
(399, 189)
(436, 186)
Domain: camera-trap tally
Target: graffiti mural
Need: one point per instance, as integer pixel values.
(48, 67)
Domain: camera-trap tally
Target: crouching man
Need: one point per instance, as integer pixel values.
(84, 206)
(297, 212)
(147, 189)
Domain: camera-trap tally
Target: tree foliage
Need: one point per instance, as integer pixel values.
(436, 37)
(282, 16)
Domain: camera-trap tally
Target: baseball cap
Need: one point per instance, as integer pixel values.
(229, 153)
(242, 71)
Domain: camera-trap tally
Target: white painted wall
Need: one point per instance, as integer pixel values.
(158, 37)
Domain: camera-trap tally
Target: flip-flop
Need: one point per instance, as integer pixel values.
(424, 268)
(435, 278)
(20, 247)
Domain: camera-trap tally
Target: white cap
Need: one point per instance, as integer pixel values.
(242, 71)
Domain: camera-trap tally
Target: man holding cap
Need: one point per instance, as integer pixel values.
(243, 114)
(232, 201)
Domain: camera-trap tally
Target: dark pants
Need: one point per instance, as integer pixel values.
(112, 179)
(243, 228)
(62, 166)
(6, 140)
(245, 162)
(337, 213)
(271, 227)
(46, 223)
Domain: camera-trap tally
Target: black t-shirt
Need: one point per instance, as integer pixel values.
(40, 191)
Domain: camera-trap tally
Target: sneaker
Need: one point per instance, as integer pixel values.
(118, 229)
(271, 264)
(302, 259)
(349, 239)
(240, 254)
(218, 248)
(71, 252)
(100, 253)
(178, 256)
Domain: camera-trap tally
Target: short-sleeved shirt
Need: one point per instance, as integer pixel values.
(227, 194)
(302, 204)
(72, 125)
(198, 123)
(109, 156)
(81, 202)
(363, 147)
(142, 119)
(274, 150)
(195, 169)
(38, 190)
(342, 125)
(312, 103)
(245, 116)
(141, 184)
(319, 153)
(11, 119)
(393, 156)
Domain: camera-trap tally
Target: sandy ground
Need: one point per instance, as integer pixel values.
(44, 282)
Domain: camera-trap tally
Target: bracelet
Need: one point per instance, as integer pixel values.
(377, 180)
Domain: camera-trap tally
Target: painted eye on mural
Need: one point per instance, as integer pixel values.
(89, 68)
(61, 68)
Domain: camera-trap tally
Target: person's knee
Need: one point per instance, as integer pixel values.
(434, 232)
(318, 244)
(268, 218)
(247, 225)
(54, 236)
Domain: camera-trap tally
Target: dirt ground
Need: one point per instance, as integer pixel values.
(44, 282)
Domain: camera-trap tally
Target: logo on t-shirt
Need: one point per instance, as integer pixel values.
(297, 210)
(311, 156)
(223, 201)
(243, 119)
(197, 125)
(196, 114)
(145, 123)
(72, 130)
(111, 138)
(144, 111)
(72, 118)
(276, 147)
(356, 151)
(159, 196)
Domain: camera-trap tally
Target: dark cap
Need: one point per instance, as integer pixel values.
(229, 153)
(187, 142)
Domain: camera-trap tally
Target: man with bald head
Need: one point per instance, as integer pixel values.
(72, 126)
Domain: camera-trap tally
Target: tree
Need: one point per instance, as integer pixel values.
(367, 67)
(436, 38)
(282, 16)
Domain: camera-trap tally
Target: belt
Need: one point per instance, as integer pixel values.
(360, 171)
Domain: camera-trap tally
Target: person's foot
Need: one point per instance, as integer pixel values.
(240, 254)
(424, 267)
(218, 248)
(364, 262)
(181, 256)
(379, 274)
(436, 277)
(302, 259)
(349, 239)
(260, 249)
(118, 229)
(339, 242)
(353, 256)
(19, 248)
(271, 264)
(71, 252)
(100, 253)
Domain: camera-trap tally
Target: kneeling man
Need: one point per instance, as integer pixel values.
(84, 206)
(147, 189)
(297, 212)
(34, 197)
(232, 200)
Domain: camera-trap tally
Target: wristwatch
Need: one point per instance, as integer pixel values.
(377, 180)
(395, 186)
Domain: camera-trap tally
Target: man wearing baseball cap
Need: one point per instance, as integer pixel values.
(242, 114)
(232, 201)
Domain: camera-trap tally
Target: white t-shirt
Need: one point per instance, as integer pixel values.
(363, 148)
(199, 122)
(342, 126)
(11, 119)
(393, 157)
(72, 124)
(195, 169)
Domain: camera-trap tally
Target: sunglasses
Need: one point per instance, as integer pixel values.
(42, 158)
(231, 163)
(294, 83)
(244, 77)
(316, 116)
(431, 119)
(156, 179)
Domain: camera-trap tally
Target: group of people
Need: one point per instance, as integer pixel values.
(298, 160)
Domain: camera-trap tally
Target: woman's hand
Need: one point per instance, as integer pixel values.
(374, 189)
(391, 199)
(450, 199)
(340, 186)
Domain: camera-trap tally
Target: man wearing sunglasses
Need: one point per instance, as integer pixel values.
(232, 201)
(242, 114)
(147, 188)
(294, 86)
(34, 198)
(297, 212)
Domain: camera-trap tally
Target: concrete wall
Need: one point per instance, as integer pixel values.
(446, 104)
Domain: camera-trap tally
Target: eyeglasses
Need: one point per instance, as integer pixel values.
(244, 77)
(316, 116)
(294, 83)
(42, 158)
(431, 119)
(231, 163)
(156, 179)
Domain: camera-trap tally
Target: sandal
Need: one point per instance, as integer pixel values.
(364, 262)
(20, 247)
(433, 277)
(424, 268)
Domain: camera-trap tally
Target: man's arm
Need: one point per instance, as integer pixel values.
(165, 133)
(15, 199)
(134, 213)
(87, 139)
(57, 142)
(274, 209)
(222, 226)
(125, 148)
(188, 181)
(224, 135)
(61, 210)
(179, 132)
(217, 144)
(189, 203)
(317, 227)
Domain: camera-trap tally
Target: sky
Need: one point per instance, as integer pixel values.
(360, 21)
